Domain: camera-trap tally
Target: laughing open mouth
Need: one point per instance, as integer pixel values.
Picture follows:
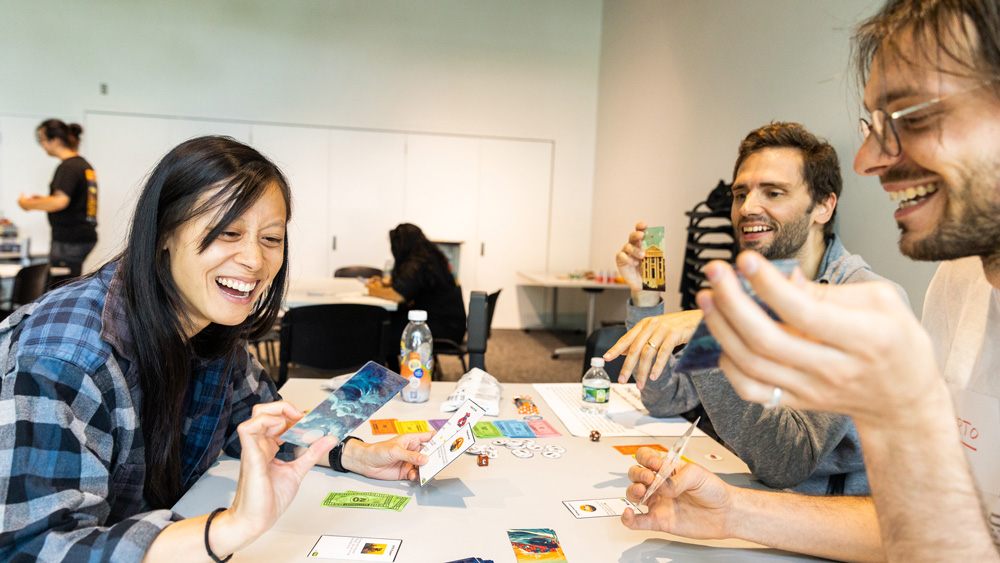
(913, 195)
(236, 288)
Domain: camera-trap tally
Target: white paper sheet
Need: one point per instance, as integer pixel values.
(626, 415)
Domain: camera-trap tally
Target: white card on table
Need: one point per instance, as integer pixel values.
(356, 549)
(599, 508)
(451, 440)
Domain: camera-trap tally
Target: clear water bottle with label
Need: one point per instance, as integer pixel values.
(416, 358)
(596, 388)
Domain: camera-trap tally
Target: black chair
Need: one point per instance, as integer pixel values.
(356, 271)
(445, 347)
(333, 337)
(29, 284)
(598, 343)
(710, 237)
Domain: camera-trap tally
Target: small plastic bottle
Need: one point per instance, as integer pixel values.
(390, 262)
(416, 358)
(596, 388)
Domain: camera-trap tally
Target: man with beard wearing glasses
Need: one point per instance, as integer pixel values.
(786, 182)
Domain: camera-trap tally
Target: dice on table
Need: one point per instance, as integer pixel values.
(595, 436)
(483, 460)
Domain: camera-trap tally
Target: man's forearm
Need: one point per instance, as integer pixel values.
(928, 505)
(842, 528)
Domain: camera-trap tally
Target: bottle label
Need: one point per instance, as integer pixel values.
(419, 374)
(595, 394)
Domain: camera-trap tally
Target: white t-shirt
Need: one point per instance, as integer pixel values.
(962, 315)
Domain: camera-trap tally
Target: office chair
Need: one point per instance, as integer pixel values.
(356, 271)
(710, 237)
(29, 284)
(333, 337)
(446, 347)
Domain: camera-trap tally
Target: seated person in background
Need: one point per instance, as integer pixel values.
(422, 279)
(785, 188)
(121, 389)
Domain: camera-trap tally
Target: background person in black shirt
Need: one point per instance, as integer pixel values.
(72, 200)
(422, 279)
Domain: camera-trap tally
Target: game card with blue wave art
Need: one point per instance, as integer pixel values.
(703, 350)
(348, 407)
(536, 544)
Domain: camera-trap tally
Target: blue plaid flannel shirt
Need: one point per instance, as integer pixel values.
(72, 466)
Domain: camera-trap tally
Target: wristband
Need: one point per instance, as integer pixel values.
(207, 547)
(337, 453)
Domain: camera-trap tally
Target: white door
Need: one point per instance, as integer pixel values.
(367, 179)
(515, 187)
(442, 193)
(302, 154)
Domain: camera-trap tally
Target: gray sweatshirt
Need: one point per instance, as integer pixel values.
(784, 448)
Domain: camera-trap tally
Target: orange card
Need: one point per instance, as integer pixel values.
(383, 426)
(630, 450)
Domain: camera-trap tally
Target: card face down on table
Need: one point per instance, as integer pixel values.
(703, 350)
(348, 407)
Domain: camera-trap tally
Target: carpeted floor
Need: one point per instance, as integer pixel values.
(512, 356)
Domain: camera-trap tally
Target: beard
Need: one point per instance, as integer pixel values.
(970, 221)
(788, 238)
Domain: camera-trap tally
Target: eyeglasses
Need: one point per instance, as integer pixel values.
(883, 125)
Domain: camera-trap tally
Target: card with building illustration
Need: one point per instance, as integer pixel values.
(653, 265)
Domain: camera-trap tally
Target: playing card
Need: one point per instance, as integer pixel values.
(486, 429)
(632, 448)
(599, 508)
(542, 428)
(514, 429)
(653, 264)
(356, 549)
(703, 350)
(411, 426)
(451, 440)
(536, 544)
(348, 407)
(383, 426)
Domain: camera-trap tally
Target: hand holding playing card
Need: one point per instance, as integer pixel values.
(267, 485)
(392, 459)
(694, 503)
(629, 258)
(854, 349)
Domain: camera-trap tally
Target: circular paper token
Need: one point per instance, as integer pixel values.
(515, 443)
(492, 454)
(714, 457)
(528, 442)
(501, 441)
(551, 454)
(554, 448)
(475, 450)
(522, 453)
(533, 417)
(534, 447)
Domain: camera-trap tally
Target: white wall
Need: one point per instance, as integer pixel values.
(682, 82)
(514, 69)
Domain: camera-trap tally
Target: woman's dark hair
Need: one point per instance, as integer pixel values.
(173, 195)
(410, 246)
(68, 134)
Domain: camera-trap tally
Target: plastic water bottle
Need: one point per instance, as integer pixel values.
(596, 388)
(390, 262)
(416, 358)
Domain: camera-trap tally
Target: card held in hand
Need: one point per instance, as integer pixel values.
(348, 407)
(653, 264)
(703, 350)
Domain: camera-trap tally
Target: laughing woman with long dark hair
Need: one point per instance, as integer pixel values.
(118, 391)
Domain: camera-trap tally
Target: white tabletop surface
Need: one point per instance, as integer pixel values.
(322, 291)
(562, 280)
(466, 510)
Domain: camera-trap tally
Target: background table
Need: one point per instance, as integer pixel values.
(556, 282)
(322, 291)
(466, 510)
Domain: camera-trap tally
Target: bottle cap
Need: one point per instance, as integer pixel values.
(597, 362)
(418, 315)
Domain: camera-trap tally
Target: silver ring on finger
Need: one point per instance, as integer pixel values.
(775, 398)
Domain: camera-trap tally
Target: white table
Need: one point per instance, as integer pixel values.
(466, 510)
(324, 291)
(557, 282)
